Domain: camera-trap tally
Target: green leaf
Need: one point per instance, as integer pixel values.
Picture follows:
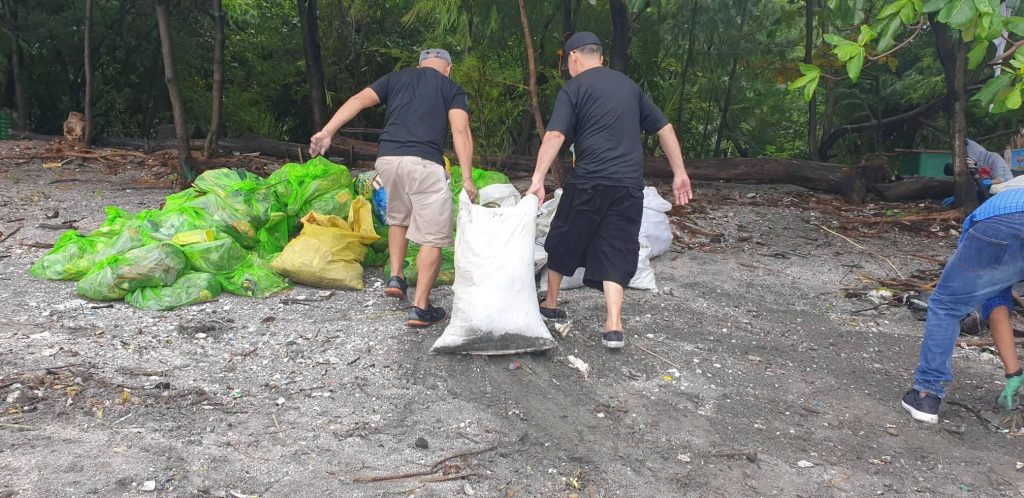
(908, 14)
(834, 39)
(977, 54)
(889, 31)
(810, 69)
(1017, 27)
(866, 35)
(983, 6)
(1013, 99)
(992, 88)
(957, 13)
(970, 30)
(891, 9)
(934, 6)
(809, 80)
(855, 64)
(810, 88)
(847, 50)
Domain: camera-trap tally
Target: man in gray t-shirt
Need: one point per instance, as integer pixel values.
(994, 162)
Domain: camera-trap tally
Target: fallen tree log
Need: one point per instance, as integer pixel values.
(850, 182)
(346, 148)
(914, 189)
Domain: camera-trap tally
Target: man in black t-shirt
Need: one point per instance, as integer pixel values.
(597, 223)
(421, 104)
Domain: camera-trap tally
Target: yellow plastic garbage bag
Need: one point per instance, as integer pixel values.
(329, 251)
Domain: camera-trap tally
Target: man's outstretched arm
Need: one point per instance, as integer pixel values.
(321, 141)
(462, 139)
(549, 148)
(674, 154)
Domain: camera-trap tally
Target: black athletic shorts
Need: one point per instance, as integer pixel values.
(597, 227)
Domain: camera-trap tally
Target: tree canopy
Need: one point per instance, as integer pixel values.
(721, 70)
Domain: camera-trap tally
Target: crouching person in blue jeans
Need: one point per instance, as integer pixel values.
(986, 264)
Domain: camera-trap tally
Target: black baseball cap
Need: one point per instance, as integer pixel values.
(580, 39)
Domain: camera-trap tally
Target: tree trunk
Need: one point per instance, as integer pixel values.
(20, 98)
(177, 104)
(531, 61)
(687, 63)
(830, 85)
(568, 28)
(812, 106)
(620, 36)
(723, 123)
(314, 64)
(87, 57)
(218, 81)
(952, 54)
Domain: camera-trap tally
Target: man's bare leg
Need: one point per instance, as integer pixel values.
(429, 263)
(1002, 335)
(613, 296)
(554, 284)
(397, 246)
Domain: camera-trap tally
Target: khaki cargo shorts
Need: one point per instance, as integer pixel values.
(418, 198)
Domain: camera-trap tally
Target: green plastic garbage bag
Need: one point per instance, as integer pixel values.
(175, 201)
(375, 258)
(246, 193)
(218, 256)
(227, 219)
(335, 203)
(164, 225)
(73, 255)
(155, 265)
(481, 179)
(190, 288)
(60, 262)
(445, 276)
(272, 238)
(298, 184)
(117, 218)
(253, 278)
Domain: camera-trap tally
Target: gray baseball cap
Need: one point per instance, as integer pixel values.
(439, 53)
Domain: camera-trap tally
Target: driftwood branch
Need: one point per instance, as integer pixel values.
(865, 249)
(439, 465)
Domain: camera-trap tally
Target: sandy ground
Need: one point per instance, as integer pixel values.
(747, 362)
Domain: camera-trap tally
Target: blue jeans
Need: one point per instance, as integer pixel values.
(990, 259)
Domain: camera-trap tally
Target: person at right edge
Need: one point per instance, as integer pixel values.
(597, 223)
(988, 260)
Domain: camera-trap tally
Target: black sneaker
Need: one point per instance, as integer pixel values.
(613, 339)
(553, 313)
(396, 288)
(424, 318)
(925, 409)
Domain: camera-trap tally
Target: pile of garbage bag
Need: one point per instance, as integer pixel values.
(232, 232)
(220, 235)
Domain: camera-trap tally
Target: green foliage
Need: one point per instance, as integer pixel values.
(978, 22)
